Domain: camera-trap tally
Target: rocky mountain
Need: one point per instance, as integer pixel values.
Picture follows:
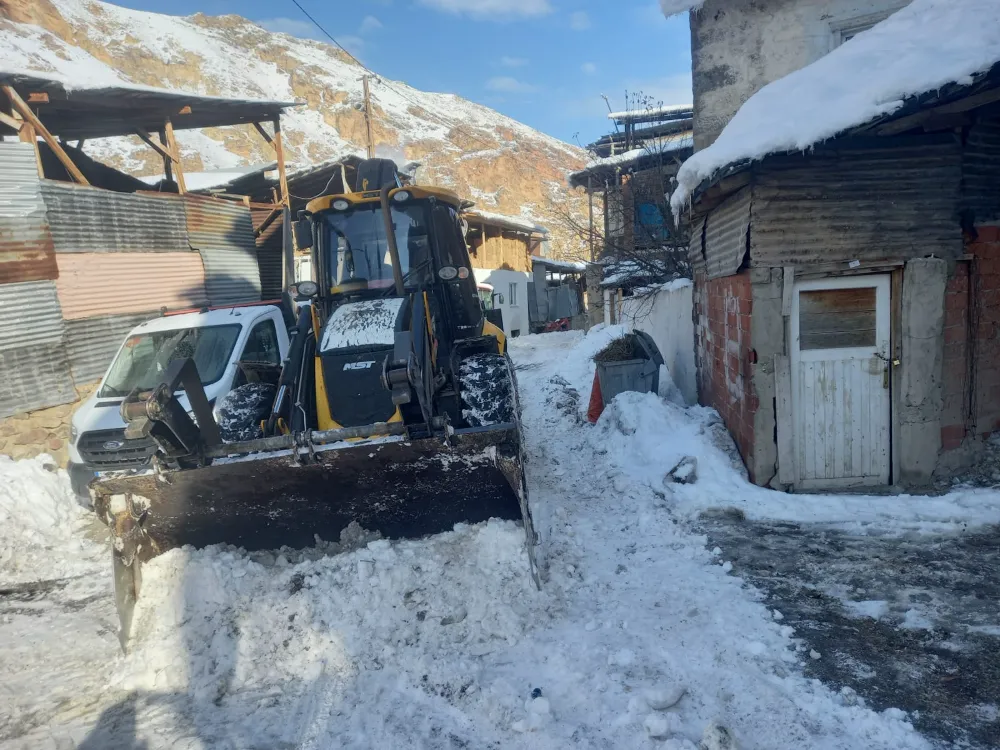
(494, 160)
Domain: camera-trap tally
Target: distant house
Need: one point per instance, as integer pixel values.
(846, 235)
(501, 248)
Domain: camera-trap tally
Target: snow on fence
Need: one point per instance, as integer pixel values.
(665, 313)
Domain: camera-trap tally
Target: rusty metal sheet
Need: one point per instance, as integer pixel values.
(889, 199)
(85, 219)
(26, 252)
(91, 343)
(222, 231)
(726, 229)
(93, 284)
(268, 251)
(32, 349)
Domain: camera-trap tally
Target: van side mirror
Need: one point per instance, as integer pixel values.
(303, 234)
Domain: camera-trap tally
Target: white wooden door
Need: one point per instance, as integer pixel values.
(841, 407)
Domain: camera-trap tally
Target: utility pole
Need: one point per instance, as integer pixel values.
(368, 118)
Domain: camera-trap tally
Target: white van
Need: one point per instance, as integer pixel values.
(218, 339)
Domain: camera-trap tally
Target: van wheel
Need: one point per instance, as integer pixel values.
(243, 409)
(487, 390)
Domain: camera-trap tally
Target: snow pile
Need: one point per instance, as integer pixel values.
(365, 323)
(41, 524)
(924, 46)
(673, 7)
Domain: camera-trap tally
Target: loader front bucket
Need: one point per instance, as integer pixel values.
(265, 500)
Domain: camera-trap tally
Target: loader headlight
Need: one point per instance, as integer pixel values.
(307, 289)
(340, 205)
(400, 195)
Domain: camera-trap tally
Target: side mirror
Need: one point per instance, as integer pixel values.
(303, 234)
(498, 297)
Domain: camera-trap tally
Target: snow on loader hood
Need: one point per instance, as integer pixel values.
(364, 323)
(920, 48)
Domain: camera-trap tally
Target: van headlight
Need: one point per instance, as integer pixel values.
(73, 433)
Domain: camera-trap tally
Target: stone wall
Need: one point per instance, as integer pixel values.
(737, 48)
(42, 431)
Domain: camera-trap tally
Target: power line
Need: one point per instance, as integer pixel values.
(378, 79)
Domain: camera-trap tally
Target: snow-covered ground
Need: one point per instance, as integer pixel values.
(641, 637)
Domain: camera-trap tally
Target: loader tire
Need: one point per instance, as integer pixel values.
(243, 409)
(487, 390)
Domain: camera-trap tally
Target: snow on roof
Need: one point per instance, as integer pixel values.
(663, 145)
(213, 178)
(673, 7)
(669, 109)
(628, 272)
(918, 49)
(512, 222)
(214, 317)
(559, 266)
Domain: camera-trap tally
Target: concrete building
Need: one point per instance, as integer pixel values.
(847, 297)
(501, 248)
(738, 47)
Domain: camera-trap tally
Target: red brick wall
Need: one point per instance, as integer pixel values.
(722, 332)
(983, 273)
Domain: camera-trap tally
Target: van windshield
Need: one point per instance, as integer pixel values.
(144, 359)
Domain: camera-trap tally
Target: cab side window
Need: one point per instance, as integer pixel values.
(262, 344)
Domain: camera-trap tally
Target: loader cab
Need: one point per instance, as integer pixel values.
(353, 260)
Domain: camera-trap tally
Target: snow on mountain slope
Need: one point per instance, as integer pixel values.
(502, 164)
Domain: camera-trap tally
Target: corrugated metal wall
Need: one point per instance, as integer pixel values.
(268, 252)
(86, 219)
(91, 343)
(887, 199)
(26, 252)
(93, 284)
(981, 171)
(696, 246)
(222, 231)
(32, 349)
(726, 235)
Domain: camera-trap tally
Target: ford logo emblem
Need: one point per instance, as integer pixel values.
(113, 445)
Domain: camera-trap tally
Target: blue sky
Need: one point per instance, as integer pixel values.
(543, 62)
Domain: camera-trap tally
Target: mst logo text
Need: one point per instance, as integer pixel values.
(359, 365)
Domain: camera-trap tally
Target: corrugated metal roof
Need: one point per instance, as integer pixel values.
(91, 343)
(93, 284)
(884, 199)
(32, 351)
(981, 171)
(29, 314)
(726, 235)
(26, 252)
(268, 252)
(222, 231)
(86, 219)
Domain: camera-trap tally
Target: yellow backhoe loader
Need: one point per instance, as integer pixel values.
(396, 408)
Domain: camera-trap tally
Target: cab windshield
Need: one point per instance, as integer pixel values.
(357, 251)
(143, 360)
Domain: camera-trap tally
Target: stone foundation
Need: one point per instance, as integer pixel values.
(42, 431)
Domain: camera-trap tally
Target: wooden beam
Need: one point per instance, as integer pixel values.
(38, 97)
(175, 154)
(29, 117)
(185, 110)
(275, 213)
(785, 420)
(148, 140)
(10, 122)
(952, 108)
(168, 160)
(279, 152)
(264, 134)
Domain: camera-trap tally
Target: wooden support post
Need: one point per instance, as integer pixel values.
(263, 133)
(279, 153)
(175, 154)
(168, 160)
(37, 128)
(10, 122)
(368, 118)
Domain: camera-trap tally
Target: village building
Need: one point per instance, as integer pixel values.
(88, 252)
(845, 237)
